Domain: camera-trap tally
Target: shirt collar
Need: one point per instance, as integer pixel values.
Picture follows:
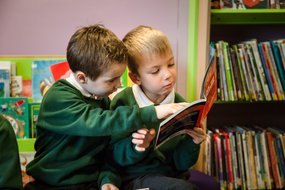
(71, 79)
(144, 101)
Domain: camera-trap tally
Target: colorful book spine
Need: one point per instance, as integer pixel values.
(260, 69)
(267, 72)
(242, 77)
(277, 58)
(228, 71)
(222, 71)
(275, 71)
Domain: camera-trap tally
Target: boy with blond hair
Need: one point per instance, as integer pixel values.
(152, 69)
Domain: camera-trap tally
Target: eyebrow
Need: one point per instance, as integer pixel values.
(114, 78)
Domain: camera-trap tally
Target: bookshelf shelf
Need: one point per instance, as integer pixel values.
(262, 113)
(252, 16)
(237, 27)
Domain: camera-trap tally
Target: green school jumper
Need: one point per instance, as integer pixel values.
(74, 133)
(10, 171)
(171, 159)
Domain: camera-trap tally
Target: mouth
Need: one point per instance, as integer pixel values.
(170, 85)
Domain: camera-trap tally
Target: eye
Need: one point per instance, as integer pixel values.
(112, 80)
(154, 71)
(171, 65)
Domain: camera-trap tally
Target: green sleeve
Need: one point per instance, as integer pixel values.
(186, 153)
(108, 175)
(124, 153)
(10, 175)
(123, 150)
(67, 111)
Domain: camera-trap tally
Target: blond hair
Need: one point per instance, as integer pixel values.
(144, 40)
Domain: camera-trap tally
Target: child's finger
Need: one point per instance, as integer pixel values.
(137, 141)
(138, 136)
(142, 131)
(140, 149)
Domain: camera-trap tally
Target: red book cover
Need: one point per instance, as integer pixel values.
(60, 70)
(27, 88)
(273, 158)
(209, 87)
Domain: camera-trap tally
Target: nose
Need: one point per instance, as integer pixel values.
(166, 74)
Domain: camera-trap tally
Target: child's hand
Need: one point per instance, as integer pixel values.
(142, 138)
(198, 134)
(165, 110)
(109, 186)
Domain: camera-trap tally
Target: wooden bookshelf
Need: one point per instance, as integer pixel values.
(248, 16)
(234, 26)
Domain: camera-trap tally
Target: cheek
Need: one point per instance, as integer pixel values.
(173, 72)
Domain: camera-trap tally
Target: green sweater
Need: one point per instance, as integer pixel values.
(171, 159)
(74, 133)
(10, 174)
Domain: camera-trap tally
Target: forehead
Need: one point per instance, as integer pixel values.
(149, 58)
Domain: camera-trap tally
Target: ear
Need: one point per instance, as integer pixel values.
(81, 77)
(135, 78)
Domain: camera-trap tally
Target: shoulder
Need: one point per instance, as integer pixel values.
(178, 98)
(61, 90)
(5, 126)
(123, 98)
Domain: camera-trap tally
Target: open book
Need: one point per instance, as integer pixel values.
(194, 114)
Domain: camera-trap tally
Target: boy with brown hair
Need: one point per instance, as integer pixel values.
(153, 70)
(75, 124)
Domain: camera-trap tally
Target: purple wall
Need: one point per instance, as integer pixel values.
(43, 27)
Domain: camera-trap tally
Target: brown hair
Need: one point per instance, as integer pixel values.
(93, 49)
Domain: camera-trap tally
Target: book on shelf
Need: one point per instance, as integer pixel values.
(251, 70)
(278, 138)
(237, 132)
(267, 73)
(273, 159)
(60, 70)
(7, 69)
(16, 110)
(239, 71)
(5, 83)
(34, 112)
(194, 114)
(222, 73)
(273, 70)
(279, 65)
(27, 88)
(16, 86)
(255, 76)
(42, 77)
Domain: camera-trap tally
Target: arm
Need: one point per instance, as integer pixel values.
(88, 117)
(134, 148)
(189, 148)
(10, 175)
(108, 179)
(186, 153)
